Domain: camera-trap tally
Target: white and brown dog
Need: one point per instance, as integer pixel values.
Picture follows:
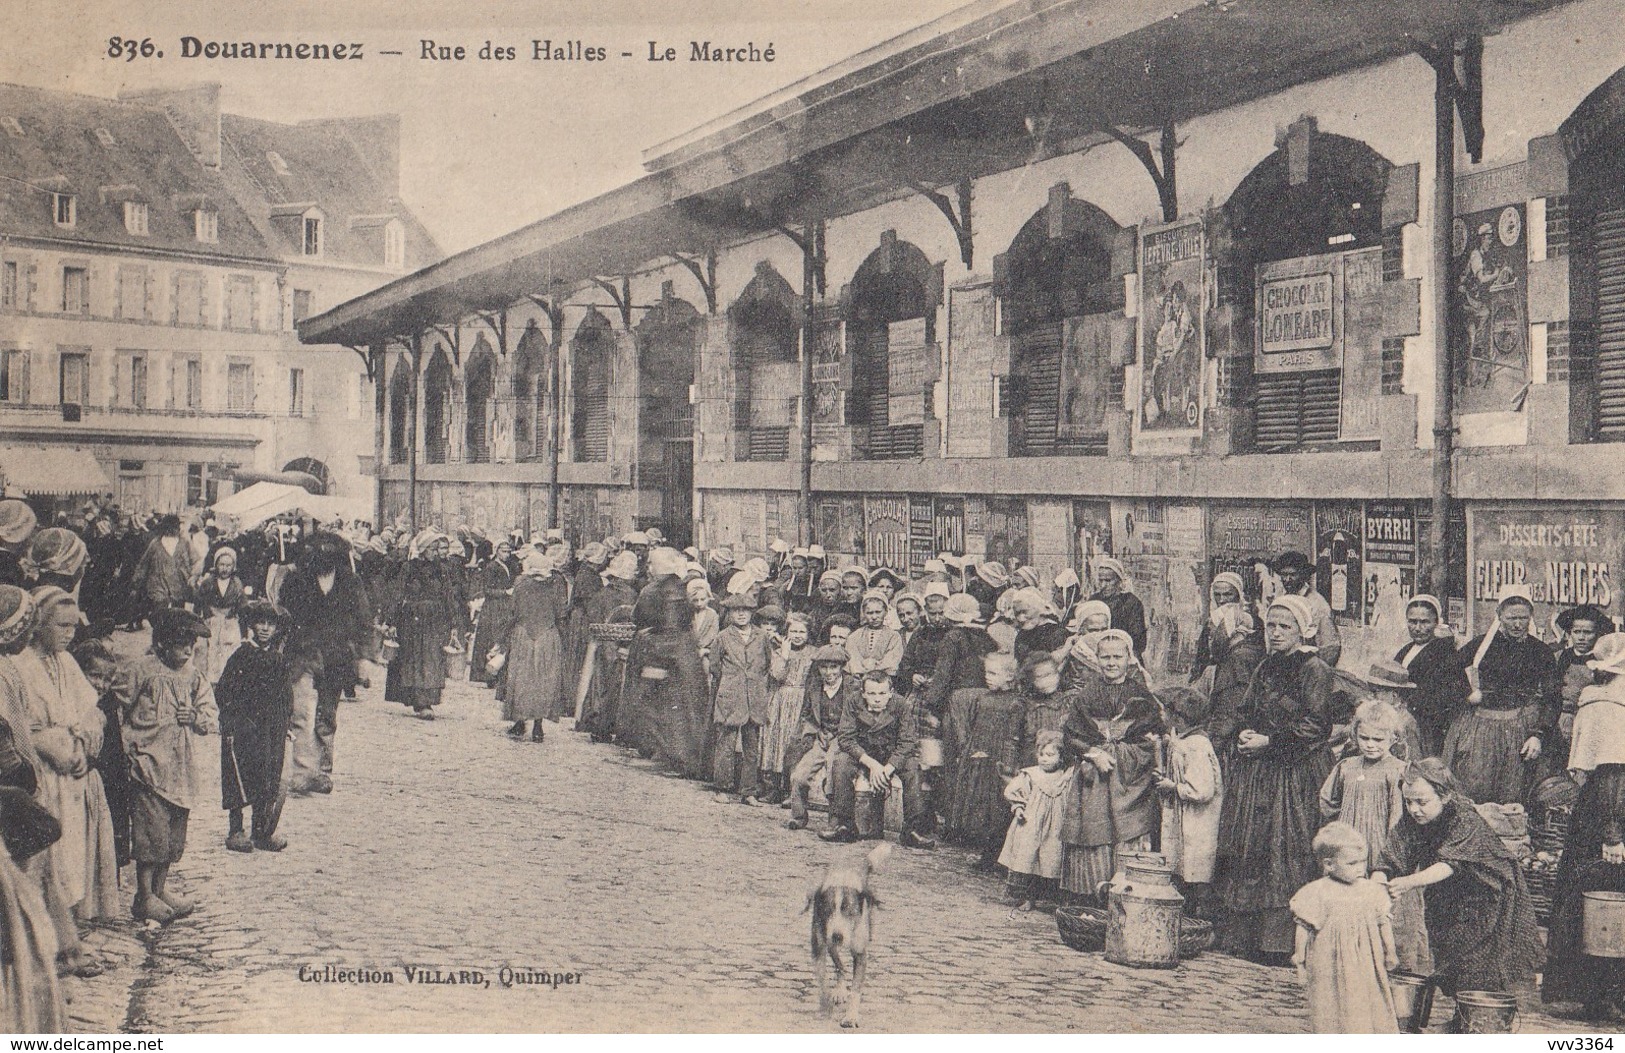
(843, 906)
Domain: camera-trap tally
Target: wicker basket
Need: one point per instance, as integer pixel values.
(1081, 928)
(1553, 831)
(612, 632)
(1195, 936)
(1540, 883)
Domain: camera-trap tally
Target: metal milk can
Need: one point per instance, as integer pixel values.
(1143, 913)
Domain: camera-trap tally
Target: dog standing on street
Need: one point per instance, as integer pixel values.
(843, 906)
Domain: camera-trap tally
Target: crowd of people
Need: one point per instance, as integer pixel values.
(1319, 817)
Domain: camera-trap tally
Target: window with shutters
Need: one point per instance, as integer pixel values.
(189, 298)
(132, 293)
(530, 380)
(1317, 195)
(239, 387)
(13, 376)
(296, 393)
(765, 339)
(64, 210)
(206, 225)
(437, 408)
(479, 387)
(301, 305)
(135, 217)
(75, 290)
(10, 276)
(891, 339)
(240, 302)
(312, 243)
(591, 352)
(74, 378)
(189, 384)
(400, 411)
(133, 366)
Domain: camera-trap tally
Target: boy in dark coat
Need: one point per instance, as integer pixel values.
(255, 696)
(879, 738)
(829, 692)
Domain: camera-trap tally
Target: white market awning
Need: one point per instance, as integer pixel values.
(52, 471)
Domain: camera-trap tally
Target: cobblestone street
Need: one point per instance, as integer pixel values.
(447, 846)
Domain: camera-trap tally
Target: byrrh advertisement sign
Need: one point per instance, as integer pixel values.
(1297, 323)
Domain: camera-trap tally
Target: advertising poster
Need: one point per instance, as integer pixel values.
(885, 528)
(829, 394)
(1566, 555)
(906, 370)
(1339, 564)
(1171, 324)
(1006, 531)
(1489, 297)
(1248, 537)
(948, 525)
(1091, 539)
(1299, 314)
(839, 527)
(1390, 551)
(1085, 368)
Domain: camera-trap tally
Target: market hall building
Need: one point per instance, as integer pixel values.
(1042, 281)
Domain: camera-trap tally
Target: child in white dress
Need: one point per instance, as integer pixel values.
(1345, 944)
(1032, 845)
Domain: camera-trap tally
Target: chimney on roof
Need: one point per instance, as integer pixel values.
(193, 112)
(377, 139)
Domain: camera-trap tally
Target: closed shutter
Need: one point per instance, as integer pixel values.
(770, 444)
(870, 403)
(1297, 408)
(1035, 393)
(1608, 247)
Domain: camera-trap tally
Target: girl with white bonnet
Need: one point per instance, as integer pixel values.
(1116, 590)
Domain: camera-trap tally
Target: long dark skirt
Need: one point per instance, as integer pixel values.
(977, 815)
(666, 709)
(417, 676)
(1483, 749)
(1270, 815)
(494, 614)
(1571, 976)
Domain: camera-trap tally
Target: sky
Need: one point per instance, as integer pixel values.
(487, 145)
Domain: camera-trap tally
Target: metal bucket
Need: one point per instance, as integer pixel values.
(1143, 915)
(1485, 1012)
(1602, 925)
(1413, 999)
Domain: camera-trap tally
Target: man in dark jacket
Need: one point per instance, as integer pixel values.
(829, 693)
(879, 738)
(329, 625)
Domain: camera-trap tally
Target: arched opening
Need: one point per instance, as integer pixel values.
(437, 408)
(763, 336)
(891, 332)
(400, 411)
(591, 352)
(1300, 225)
(1594, 136)
(1055, 288)
(668, 344)
(314, 468)
(479, 384)
(530, 379)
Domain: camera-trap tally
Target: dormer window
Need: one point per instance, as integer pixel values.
(135, 217)
(395, 245)
(63, 209)
(104, 137)
(278, 165)
(206, 225)
(312, 241)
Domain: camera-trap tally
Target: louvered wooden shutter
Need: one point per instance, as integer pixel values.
(1035, 391)
(1297, 408)
(1608, 257)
